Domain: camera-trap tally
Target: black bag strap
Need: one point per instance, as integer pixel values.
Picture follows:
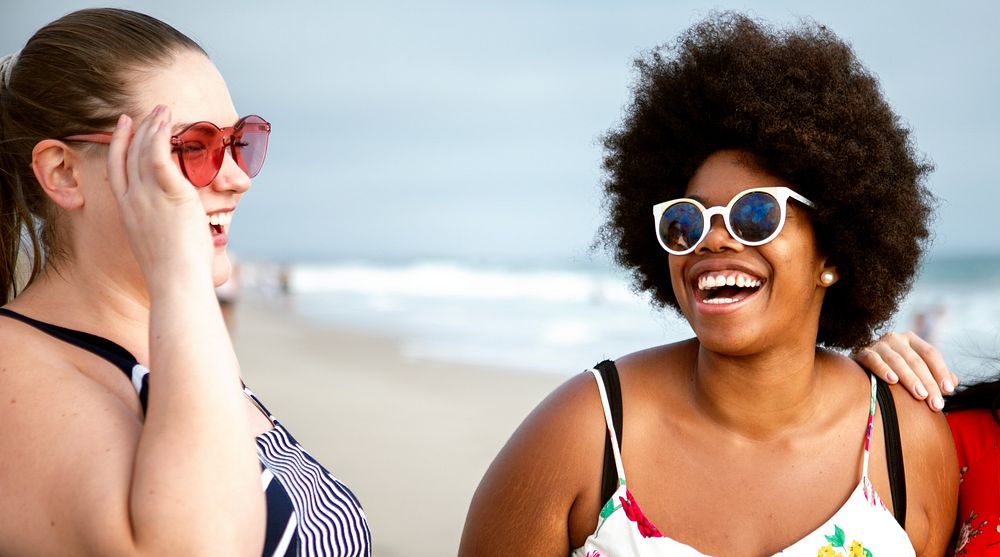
(613, 387)
(893, 452)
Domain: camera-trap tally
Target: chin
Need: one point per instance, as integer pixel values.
(221, 268)
(731, 341)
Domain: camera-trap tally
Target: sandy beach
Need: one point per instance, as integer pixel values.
(410, 438)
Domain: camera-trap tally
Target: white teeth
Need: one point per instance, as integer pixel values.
(220, 219)
(720, 300)
(729, 278)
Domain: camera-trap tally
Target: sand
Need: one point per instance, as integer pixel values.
(411, 438)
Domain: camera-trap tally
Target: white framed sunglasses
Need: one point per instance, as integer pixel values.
(753, 217)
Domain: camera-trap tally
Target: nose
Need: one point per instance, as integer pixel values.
(718, 238)
(231, 178)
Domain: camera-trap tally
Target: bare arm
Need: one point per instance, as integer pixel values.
(524, 502)
(209, 499)
(931, 475)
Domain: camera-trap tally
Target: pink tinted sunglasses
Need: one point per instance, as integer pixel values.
(201, 147)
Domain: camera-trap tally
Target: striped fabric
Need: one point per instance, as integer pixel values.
(325, 516)
(309, 512)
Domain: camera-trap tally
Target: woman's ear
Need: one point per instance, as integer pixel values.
(55, 166)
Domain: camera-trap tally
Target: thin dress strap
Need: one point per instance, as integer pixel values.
(611, 425)
(868, 432)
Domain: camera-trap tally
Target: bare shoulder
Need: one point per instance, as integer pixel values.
(66, 449)
(925, 437)
(932, 473)
(656, 375)
(552, 461)
(562, 425)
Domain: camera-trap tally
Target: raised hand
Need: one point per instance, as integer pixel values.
(160, 210)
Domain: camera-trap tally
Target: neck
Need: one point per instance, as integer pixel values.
(89, 299)
(762, 396)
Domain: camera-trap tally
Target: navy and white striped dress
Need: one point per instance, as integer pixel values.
(309, 512)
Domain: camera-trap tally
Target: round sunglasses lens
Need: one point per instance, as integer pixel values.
(755, 216)
(201, 154)
(681, 226)
(251, 145)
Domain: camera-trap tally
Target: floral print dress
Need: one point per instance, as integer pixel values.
(977, 440)
(862, 527)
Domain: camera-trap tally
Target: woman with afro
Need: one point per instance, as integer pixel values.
(761, 186)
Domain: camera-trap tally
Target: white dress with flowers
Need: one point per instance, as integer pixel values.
(862, 527)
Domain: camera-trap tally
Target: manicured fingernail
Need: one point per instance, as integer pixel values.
(947, 386)
(937, 402)
(921, 391)
(891, 377)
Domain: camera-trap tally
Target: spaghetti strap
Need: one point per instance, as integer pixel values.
(611, 426)
(868, 432)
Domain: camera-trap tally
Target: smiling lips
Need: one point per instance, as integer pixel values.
(726, 287)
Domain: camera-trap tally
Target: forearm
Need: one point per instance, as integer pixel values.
(196, 485)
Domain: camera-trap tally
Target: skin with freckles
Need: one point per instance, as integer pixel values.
(737, 442)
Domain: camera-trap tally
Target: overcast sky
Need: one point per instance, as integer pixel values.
(471, 130)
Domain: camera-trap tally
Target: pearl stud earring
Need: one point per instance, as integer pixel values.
(826, 278)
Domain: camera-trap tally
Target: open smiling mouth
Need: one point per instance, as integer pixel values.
(726, 287)
(219, 222)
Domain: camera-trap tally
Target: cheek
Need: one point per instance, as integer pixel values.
(676, 282)
(681, 292)
(795, 267)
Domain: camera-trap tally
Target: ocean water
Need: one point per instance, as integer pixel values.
(564, 318)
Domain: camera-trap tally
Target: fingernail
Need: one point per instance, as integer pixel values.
(121, 121)
(947, 386)
(921, 391)
(937, 402)
(891, 377)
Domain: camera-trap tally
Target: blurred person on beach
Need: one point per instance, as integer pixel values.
(750, 439)
(127, 428)
(927, 323)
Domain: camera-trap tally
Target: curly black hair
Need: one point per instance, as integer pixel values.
(802, 105)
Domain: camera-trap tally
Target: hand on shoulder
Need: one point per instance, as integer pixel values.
(909, 360)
